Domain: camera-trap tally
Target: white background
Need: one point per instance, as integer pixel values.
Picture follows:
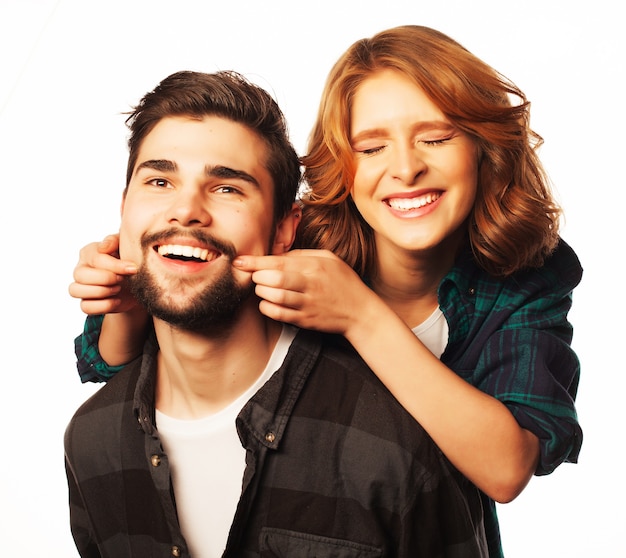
(68, 68)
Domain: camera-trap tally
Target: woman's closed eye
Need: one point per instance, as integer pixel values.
(435, 141)
(371, 149)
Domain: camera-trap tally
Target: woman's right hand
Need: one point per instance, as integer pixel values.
(99, 278)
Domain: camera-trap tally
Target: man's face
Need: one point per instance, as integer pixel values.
(199, 196)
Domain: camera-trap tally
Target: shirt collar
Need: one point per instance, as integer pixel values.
(264, 418)
(144, 397)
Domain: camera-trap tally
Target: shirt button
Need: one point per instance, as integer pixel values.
(175, 551)
(270, 437)
(156, 461)
(471, 291)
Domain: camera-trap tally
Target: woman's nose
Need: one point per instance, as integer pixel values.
(407, 164)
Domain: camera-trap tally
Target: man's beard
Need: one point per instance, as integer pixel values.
(215, 308)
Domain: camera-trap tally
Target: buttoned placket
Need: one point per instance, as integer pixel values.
(160, 472)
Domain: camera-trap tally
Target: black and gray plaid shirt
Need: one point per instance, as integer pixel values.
(334, 467)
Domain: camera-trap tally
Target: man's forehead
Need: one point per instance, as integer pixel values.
(212, 141)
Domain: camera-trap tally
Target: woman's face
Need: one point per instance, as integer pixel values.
(416, 173)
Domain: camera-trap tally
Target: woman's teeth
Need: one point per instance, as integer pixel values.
(406, 204)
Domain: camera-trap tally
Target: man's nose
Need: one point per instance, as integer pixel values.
(189, 208)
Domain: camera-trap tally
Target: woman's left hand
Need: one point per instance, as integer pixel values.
(312, 289)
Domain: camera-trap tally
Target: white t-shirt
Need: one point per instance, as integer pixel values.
(433, 332)
(207, 463)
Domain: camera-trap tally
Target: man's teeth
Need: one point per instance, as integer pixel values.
(185, 251)
(405, 204)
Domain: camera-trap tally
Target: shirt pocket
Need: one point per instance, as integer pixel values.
(281, 543)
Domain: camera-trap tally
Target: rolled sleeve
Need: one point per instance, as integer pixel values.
(535, 374)
(91, 367)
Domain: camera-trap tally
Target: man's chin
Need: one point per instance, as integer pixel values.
(202, 319)
(192, 305)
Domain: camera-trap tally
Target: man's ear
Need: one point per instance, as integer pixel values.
(122, 203)
(286, 230)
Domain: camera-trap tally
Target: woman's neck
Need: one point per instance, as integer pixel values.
(409, 281)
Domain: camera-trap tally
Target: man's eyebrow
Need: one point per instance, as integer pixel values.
(162, 165)
(220, 171)
(211, 171)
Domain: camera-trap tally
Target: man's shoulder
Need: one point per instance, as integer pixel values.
(347, 426)
(333, 354)
(344, 382)
(336, 349)
(101, 418)
(118, 389)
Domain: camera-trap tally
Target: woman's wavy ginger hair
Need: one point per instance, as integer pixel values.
(514, 222)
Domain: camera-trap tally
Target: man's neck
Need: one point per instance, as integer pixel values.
(199, 374)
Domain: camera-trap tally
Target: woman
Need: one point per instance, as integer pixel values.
(441, 260)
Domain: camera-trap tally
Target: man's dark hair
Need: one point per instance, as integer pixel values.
(227, 95)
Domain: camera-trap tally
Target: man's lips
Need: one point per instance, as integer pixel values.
(188, 245)
(186, 252)
(408, 203)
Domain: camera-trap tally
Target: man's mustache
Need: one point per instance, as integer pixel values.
(207, 240)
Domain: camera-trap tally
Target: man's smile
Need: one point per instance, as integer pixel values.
(185, 252)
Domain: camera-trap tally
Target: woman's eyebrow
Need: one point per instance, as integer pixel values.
(425, 126)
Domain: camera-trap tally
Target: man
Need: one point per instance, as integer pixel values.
(234, 435)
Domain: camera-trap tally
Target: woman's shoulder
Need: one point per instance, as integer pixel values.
(561, 270)
(565, 263)
(560, 273)
(470, 290)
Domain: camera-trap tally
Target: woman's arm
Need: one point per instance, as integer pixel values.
(478, 434)
(98, 282)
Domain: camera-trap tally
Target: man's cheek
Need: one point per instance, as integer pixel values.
(129, 248)
(241, 277)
